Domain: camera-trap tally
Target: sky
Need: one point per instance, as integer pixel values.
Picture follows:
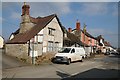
(101, 18)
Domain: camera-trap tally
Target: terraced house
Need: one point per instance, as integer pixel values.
(90, 42)
(35, 35)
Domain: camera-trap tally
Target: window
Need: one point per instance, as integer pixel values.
(40, 38)
(51, 31)
(65, 50)
(56, 46)
(73, 51)
(50, 46)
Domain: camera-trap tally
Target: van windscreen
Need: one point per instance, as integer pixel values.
(65, 50)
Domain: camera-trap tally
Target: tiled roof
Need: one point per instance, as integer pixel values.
(99, 37)
(87, 34)
(16, 32)
(106, 43)
(74, 39)
(40, 24)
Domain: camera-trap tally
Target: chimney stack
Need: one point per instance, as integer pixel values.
(25, 9)
(78, 25)
(69, 29)
(25, 24)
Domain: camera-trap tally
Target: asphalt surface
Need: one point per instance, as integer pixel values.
(97, 67)
(108, 69)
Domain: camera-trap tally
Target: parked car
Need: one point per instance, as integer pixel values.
(69, 54)
(107, 53)
(114, 52)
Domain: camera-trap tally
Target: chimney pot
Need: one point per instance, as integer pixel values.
(25, 9)
(69, 29)
(78, 25)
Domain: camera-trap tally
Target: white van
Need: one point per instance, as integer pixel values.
(69, 54)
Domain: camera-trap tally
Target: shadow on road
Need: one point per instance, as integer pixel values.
(62, 74)
(115, 56)
(96, 73)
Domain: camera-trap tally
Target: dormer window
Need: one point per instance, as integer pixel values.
(51, 31)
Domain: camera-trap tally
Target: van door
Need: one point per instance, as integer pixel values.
(78, 56)
(73, 56)
(83, 53)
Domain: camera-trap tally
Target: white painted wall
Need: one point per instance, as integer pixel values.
(1, 42)
(58, 34)
(11, 37)
(45, 37)
(41, 32)
(88, 50)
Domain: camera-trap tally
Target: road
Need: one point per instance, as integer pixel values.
(7, 62)
(98, 67)
(10, 62)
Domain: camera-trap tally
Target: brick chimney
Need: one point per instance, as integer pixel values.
(78, 25)
(25, 9)
(25, 24)
(69, 29)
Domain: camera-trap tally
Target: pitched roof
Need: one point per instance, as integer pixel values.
(99, 37)
(86, 33)
(106, 43)
(74, 39)
(16, 32)
(40, 24)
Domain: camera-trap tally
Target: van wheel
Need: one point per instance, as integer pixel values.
(81, 60)
(68, 61)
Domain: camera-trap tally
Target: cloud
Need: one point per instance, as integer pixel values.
(95, 8)
(96, 31)
(61, 0)
(112, 37)
(96, 0)
(0, 6)
(11, 8)
(1, 25)
(115, 10)
(0, 31)
(0, 19)
(15, 15)
(115, 13)
(43, 9)
(102, 31)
